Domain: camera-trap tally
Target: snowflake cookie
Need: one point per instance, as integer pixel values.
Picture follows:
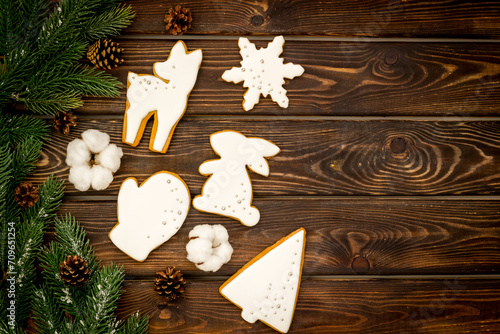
(208, 247)
(266, 288)
(164, 95)
(263, 72)
(228, 192)
(149, 214)
(93, 160)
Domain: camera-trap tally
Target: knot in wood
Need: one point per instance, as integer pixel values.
(360, 265)
(391, 58)
(257, 20)
(398, 145)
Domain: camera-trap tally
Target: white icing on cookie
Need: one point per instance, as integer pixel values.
(266, 288)
(228, 192)
(149, 214)
(167, 100)
(262, 72)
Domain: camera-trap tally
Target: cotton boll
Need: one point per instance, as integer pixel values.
(77, 153)
(101, 178)
(224, 252)
(110, 157)
(213, 263)
(81, 177)
(204, 231)
(199, 250)
(220, 234)
(96, 140)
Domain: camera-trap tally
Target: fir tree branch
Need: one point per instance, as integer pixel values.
(34, 70)
(71, 300)
(109, 23)
(103, 298)
(29, 237)
(72, 240)
(135, 324)
(47, 314)
(46, 103)
(14, 129)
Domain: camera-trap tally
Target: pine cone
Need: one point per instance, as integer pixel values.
(105, 54)
(170, 283)
(26, 194)
(74, 271)
(178, 20)
(63, 121)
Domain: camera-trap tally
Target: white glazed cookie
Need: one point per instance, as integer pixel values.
(165, 95)
(263, 72)
(228, 192)
(208, 247)
(266, 288)
(149, 214)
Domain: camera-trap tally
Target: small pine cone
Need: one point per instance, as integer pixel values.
(26, 194)
(63, 121)
(105, 54)
(178, 20)
(170, 283)
(74, 271)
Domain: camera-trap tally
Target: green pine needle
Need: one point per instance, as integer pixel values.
(135, 324)
(109, 23)
(41, 66)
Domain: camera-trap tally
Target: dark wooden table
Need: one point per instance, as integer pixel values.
(390, 159)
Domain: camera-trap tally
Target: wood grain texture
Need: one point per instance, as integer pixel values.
(333, 306)
(317, 157)
(344, 237)
(340, 79)
(388, 18)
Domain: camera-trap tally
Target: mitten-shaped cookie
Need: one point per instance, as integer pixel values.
(149, 214)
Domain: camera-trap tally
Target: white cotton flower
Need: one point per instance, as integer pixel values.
(81, 177)
(199, 250)
(96, 140)
(101, 177)
(106, 157)
(78, 153)
(208, 247)
(110, 157)
(204, 231)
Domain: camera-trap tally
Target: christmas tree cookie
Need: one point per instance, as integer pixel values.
(149, 214)
(228, 192)
(266, 288)
(263, 72)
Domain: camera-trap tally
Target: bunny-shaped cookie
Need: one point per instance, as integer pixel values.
(228, 192)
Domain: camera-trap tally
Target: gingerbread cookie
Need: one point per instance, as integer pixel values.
(263, 72)
(164, 95)
(149, 214)
(228, 192)
(266, 288)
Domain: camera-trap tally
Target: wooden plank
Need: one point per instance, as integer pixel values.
(374, 18)
(319, 157)
(333, 306)
(341, 78)
(344, 236)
